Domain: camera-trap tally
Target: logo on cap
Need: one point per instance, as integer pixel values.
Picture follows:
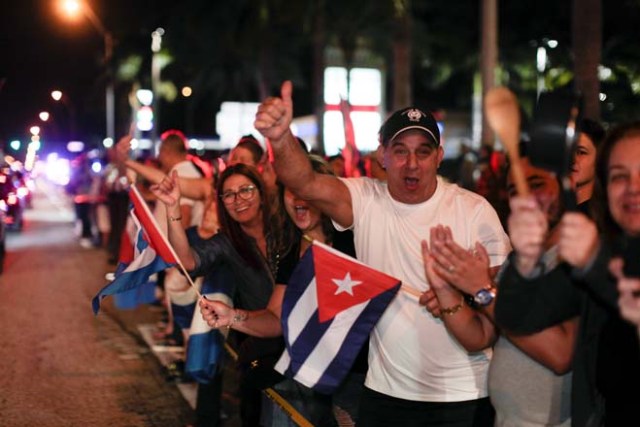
(414, 114)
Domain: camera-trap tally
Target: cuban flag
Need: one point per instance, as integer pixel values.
(150, 252)
(331, 303)
(205, 347)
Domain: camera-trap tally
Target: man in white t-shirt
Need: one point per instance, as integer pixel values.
(423, 370)
(173, 156)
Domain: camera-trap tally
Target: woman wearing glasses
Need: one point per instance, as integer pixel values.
(249, 243)
(307, 224)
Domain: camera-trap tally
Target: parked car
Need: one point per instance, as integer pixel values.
(3, 249)
(12, 200)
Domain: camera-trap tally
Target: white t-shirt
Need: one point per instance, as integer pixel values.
(411, 354)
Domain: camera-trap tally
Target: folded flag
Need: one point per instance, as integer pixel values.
(331, 303)
(150, 253)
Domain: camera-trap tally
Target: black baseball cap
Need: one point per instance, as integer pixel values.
(407, 119)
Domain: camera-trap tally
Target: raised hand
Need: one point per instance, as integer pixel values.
(528, 227)
(275, 114)
(578, 240)
(122, 148)
(441, 293)
(466, 269)
(629, 288)
(168, 190)
(216, 313)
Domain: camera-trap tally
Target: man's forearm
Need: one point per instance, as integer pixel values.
(291, 163)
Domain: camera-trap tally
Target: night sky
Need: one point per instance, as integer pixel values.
(42, 51)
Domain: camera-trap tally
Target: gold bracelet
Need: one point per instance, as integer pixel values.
(450, 311)
(178, 218)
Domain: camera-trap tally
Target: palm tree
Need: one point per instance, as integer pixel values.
(586, 25)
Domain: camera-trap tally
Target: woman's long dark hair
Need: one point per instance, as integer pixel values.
(243, 243)
(606, 223)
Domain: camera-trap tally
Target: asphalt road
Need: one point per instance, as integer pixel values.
(60, 364)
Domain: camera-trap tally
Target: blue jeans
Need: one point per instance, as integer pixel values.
(313, 406)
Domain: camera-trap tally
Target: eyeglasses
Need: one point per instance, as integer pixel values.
(245, 193)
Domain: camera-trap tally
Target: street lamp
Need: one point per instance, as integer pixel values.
(73, 8)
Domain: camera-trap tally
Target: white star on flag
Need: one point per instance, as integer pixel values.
(346, 284)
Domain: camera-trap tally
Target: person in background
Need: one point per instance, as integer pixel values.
(116, 186)
(373, 167)
(605, 367)
(419, 372)
(529, 377)
(84, 186)
(337, 165)
(583, 169)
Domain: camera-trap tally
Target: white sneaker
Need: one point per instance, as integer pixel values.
(86, 243)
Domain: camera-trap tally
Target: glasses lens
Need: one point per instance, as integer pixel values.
(229, 197)
(246, 193)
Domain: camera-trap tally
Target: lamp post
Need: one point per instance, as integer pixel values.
(156, 45)
(63, 98)
(73, 7)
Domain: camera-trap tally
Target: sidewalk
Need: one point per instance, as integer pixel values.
(167, 355)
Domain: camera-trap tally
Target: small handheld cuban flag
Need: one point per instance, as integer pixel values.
(151, 252)
(330, 305)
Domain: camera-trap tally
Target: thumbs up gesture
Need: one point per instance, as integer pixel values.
(275, 114)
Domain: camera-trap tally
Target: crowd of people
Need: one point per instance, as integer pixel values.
(528, 310)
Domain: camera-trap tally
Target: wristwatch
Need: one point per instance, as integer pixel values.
(485, 296)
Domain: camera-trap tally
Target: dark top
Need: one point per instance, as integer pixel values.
(251, 288)
(606, 365)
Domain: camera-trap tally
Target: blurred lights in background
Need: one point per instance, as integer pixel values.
(186, 91)
(96, 166)
(365, 97)
(57, 169)
(145, 96)
(107, 142)
(15, 145)
(144, 118)
(44, 116)
(75, 146)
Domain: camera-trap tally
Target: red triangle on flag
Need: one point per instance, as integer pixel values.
(152, 233)
(342, 282)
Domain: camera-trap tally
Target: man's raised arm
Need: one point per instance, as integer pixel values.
(293, 168)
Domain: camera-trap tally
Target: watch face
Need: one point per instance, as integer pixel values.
(484, 297)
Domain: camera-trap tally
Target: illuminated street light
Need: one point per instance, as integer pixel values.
(73, 8)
